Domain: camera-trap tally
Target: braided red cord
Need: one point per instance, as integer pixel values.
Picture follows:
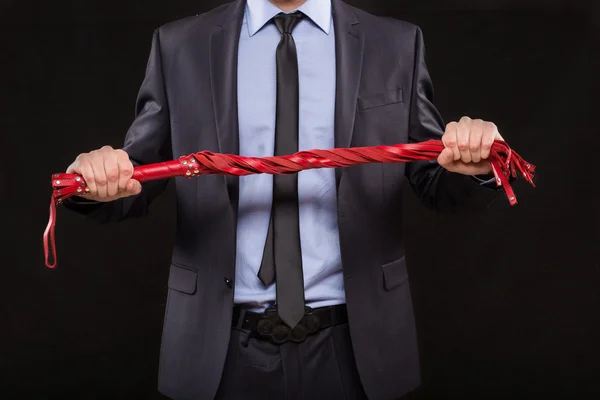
(505, 162)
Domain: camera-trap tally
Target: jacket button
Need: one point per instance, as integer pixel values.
(228, 282)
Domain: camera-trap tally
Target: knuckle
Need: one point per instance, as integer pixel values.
(463, 146)
(450, 141)
(492, 126)
(112, 174)
(121, 153)
(126, 169)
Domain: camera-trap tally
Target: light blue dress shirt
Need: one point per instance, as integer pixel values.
(257, 80)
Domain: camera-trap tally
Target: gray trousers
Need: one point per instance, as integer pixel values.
(321, 367)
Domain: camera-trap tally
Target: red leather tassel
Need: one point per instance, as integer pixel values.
(505, 162)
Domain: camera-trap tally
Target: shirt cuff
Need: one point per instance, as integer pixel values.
(484, 179)
(487, 181)
(81, 200)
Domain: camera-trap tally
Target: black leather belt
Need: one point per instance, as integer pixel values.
(269, 326)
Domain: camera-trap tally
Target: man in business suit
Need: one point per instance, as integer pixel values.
(290, 286)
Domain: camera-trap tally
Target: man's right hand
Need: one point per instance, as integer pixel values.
(108, 173)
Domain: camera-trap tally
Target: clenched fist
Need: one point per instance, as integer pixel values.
(108, 173)
(468, 143)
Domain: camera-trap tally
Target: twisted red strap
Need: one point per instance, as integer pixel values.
(503, 159)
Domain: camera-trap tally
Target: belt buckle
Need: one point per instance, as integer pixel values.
(272, 327)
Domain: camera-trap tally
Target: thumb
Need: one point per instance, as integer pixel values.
(446, 157)
(133, 187)
(71, 169)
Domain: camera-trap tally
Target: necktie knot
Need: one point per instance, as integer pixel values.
(286, 22)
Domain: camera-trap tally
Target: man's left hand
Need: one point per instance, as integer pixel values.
(468, 143)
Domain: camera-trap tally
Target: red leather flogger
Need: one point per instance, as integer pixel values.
(505, 162)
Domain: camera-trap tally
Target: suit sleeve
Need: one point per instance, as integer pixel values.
(147, 141)
(436, 187)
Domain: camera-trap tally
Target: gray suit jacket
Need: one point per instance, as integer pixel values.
(188, 103)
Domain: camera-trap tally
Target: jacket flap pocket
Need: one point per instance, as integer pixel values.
(380, 99)
(183, 280)
(395, 273)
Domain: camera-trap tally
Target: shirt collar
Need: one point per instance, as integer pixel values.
(259, 12)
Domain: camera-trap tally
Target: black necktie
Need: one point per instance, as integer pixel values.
(282, 257)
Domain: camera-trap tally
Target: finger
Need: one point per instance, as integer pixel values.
(111, 169)
(490, 133)
(475, 140)
(446, 158)
(87, 172)
(133, 187)
(99, 174)
(463, 131)
(125, 170)
(450, 141)
(75, 165)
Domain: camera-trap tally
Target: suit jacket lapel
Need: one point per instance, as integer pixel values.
(224, 41)
(349, 45)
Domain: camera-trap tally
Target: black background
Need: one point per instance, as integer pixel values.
(507, 301)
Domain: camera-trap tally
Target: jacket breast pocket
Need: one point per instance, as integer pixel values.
(395, 273)
(380, 99)
(182, 279)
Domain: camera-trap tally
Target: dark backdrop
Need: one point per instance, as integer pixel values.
(507, 302)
